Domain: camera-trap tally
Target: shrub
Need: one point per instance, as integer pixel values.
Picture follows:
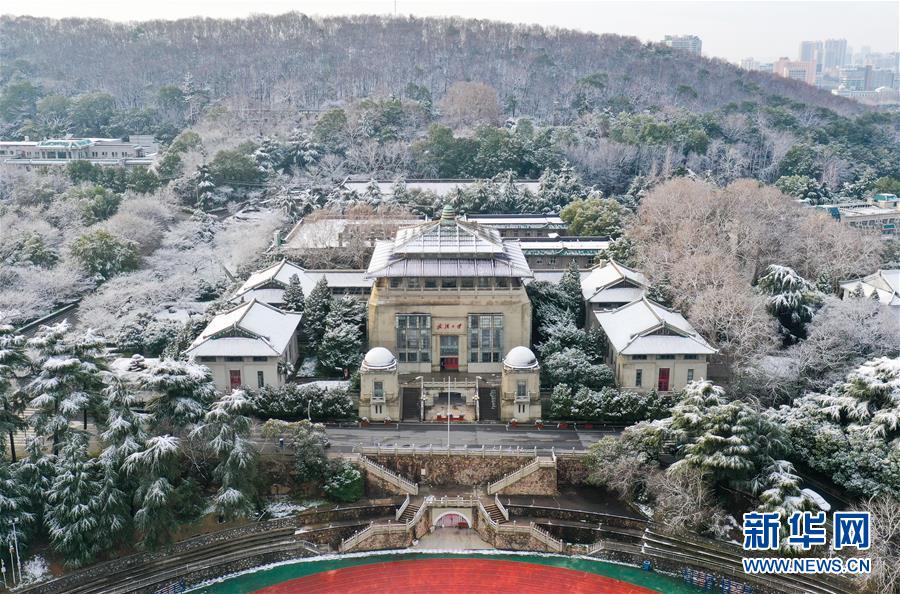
(343, 482)
(292, 402)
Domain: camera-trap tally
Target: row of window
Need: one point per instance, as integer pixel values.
(663, 357)
(414, 339)
(639, 377)
(448, 283)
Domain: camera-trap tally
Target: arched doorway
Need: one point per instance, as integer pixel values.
(452, 520)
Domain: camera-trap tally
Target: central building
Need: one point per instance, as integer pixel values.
(448, 304)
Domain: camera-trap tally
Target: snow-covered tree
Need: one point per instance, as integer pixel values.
(340, 347)
(205, 193)
(346, 310)
(343, 481)
(372, 194)
(791, 299)
(152, 467)
(225, 430)
(869, 400)
(34, 474)
(884, 533)
(570, 285)
(13, 360)
(293, 298)
(69, 380)
(180, 393)
(573, 366)
(14, 506)
(558, 188)
(783, 494)
(72, 503)
(301, 151)
(318, 304)
(309, 451)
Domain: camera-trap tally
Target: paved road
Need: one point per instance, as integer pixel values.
(344, 439)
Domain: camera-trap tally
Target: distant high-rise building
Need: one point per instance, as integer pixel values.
(688, 43)
(835, 54)
(795, 70)
(811, 51)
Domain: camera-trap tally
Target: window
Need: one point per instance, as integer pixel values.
(412, 283)
(690, 376)
(414, 338)
(396, 282)
(448, 283)
(378, 391)
(234, 358)
(206, 359)
(431, 283)
(467, 283)
(665, 357)
(521, 390)
(521, 409)
(552, 262)
(638, 357)
(638, 377)
(260, 379)
(484, 282)
(449, 346)
(485, 338)
(378, 409)
(502, 282)
(260, 359)
(691, 357)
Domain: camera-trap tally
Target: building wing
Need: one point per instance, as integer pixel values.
(249, 329)
(644, 327)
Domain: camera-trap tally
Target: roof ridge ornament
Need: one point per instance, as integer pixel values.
(448, 214)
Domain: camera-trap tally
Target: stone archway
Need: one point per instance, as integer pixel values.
(452, 519)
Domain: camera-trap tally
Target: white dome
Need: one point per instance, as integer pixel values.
(520, 358)
(379, 358)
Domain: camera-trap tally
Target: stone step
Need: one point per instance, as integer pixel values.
(495, 513)
(409, 513)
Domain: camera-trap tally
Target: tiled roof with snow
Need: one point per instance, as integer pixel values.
(250, 329)
(886, 283)
(643, 327)
(268, 285)
(610, 275)
(448, 247)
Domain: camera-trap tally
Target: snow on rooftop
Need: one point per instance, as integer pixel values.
(520, 357)
(610, 275)
(379, 358)
(250, 329)
(646, 328)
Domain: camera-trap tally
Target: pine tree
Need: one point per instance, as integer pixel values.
(792, 300)
(152, 467)
(782, 494)
(293, 298)
(68, 382)
(318, 304)
(35, 474)
(346, 310)
(72, 503)
(301, 152)
(558, 188)
(12, 359)
(570, 285)
(340, 347)
(373, 193)
(225, 428)
(181, 391)
(206, 187)
(14, 506)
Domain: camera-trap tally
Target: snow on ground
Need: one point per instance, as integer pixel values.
(35, 570)
(286, 508)
(308, 367)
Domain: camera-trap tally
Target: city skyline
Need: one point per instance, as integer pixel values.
(769, 29)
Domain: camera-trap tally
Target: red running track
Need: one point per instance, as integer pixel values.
(454, 576)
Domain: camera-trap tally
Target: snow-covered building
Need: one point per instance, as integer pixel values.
(885, 284)
(449, 303)
(557, 253)
(268, 285)
(610, 286)
(653, 347)
(138, 150)
(521, 225)
(250, 345)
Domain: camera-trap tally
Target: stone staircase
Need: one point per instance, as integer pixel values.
(494, 512)
(517, 475)
(409, 513)
(389, 476)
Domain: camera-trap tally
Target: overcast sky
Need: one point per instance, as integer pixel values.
(730, 30)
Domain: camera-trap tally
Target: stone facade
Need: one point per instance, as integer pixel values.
(437, 470)
(540, 482)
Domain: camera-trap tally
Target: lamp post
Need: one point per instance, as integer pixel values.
(477, 397)
(18, 557)
(421, 398)
(448, 414)
(3, 570)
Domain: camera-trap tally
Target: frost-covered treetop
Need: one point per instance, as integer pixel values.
(869, 398)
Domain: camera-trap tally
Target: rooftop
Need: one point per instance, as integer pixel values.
(249, 329)
(644, 327)
(278, 276)
(606, 277)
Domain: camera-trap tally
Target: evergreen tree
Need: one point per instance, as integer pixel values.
(155, 496)
(318, 304)
(791, 299)
(310, 460)
(570, 285)
(68, 382)
(226, 429)
(301, 152)
(783, 495)
(340, 347)
(14, 506)
(206, 187)
(35, 474)
(181, 391)
(293, 298)
(268, 155)
(373, 194)
(346, 310)
(12, 359)
(72, 503)
(558, 188)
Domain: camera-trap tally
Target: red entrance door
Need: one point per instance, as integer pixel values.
(234, 378)
(663, 384)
